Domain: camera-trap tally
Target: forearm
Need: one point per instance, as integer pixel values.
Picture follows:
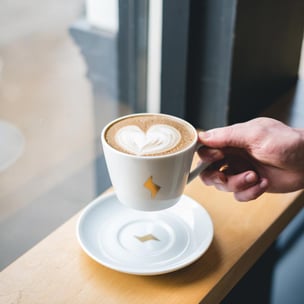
(301, 132)
(301, 144)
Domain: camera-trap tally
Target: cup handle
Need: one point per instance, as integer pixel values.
(201, 167)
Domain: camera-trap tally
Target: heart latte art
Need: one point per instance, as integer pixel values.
(157, 139)
(149, 135)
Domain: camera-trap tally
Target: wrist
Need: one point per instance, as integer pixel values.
(301, 147)
(301, 138)
(301, 131)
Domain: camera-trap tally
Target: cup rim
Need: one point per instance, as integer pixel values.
(107, 126)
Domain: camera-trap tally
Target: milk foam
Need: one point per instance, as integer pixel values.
(159, 138)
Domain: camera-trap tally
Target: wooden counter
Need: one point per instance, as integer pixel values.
(58, 271)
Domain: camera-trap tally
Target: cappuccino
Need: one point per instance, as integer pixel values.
(149, 135)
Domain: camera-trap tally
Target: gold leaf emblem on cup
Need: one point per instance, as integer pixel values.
(147, 237)
(152, 187)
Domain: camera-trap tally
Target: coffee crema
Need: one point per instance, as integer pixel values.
(149, 135)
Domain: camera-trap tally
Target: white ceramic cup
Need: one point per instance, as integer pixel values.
(151, 183)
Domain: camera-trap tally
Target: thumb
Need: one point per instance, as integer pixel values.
(231, 136)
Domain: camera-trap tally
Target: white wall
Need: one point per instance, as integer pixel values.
(103, 14)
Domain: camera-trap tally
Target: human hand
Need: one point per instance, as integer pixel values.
(263, 154)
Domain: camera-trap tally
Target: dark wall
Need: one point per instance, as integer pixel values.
(211, 32)
(266, 53)
(242, 55)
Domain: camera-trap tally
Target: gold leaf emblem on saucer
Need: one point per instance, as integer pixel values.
(151, 186)
(147, 237)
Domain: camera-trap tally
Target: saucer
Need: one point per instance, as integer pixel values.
(144, 243)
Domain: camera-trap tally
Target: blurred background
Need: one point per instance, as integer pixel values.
(69, 67)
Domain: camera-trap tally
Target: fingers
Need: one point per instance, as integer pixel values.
(246, 186)
(252, 192)
(210, 155)
(233, 136)
(232, 183)
(232, 170)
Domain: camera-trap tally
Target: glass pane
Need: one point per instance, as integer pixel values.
(62, 78)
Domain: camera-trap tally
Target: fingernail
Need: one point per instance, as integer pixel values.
(213, 154)
(220, 179)
(204, 135)
(251, 177)
(264, 183)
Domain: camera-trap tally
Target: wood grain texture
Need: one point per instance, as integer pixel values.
(58, 271)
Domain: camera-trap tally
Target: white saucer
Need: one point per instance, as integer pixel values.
(144, 243)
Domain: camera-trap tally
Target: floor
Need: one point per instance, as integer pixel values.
(43, 89)
(46, 96)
